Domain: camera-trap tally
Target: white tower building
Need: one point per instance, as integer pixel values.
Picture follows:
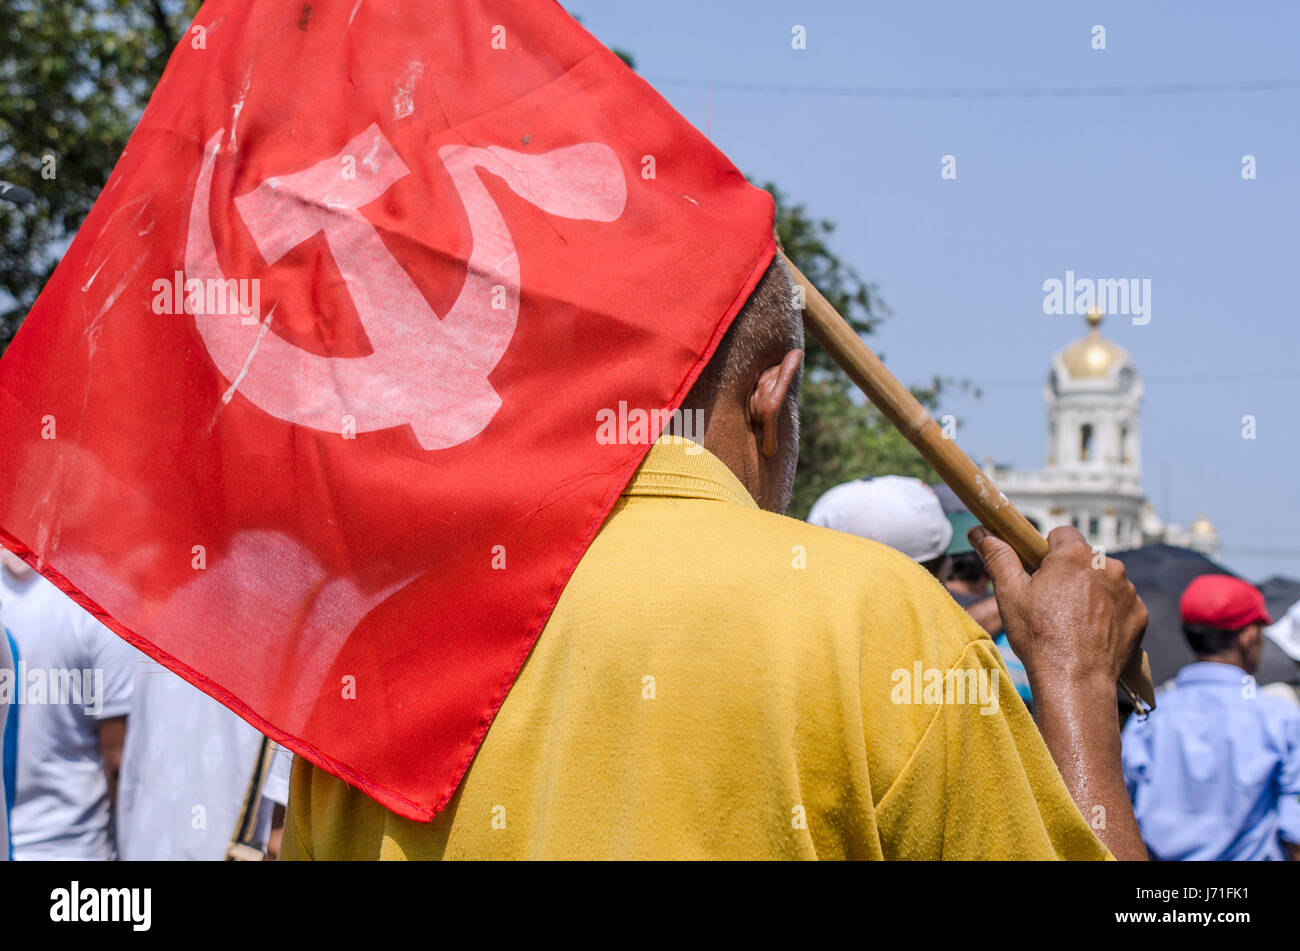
(1093, 476)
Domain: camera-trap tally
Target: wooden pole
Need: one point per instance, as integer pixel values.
(971, 485)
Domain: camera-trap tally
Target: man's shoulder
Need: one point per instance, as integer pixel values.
(1280, 711)
(1190, 701)
(778, 573)
(718, 521)
(38, 610)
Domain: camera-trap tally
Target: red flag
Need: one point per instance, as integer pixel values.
(309, 410)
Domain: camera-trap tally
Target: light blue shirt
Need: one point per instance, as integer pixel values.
(1214, 772)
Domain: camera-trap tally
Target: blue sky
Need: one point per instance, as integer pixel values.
(1145, 186)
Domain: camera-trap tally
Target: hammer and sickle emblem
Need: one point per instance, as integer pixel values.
(424, 371)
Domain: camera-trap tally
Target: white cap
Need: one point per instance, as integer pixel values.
(897, 511)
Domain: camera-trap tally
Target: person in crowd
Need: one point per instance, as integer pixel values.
(74, 681)
(1214, 771)
(898, 511)
(198, 783)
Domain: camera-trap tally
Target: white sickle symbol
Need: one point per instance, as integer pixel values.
(427, 372)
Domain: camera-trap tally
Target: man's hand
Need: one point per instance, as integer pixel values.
(1074, 627)
(1069, 622)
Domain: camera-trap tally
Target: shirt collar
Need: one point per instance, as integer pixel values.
(1209, 672)
(676, 467)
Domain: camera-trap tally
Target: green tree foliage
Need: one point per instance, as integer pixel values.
(74, 79)
(842, 437)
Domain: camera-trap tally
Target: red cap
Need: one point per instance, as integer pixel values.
(1223, 602)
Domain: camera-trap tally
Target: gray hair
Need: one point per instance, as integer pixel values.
(770, 325)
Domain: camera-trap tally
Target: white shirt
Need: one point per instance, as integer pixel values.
(186, 769)
(72, 672)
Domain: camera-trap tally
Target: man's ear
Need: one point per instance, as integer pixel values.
(768, 398)
(1251, 638)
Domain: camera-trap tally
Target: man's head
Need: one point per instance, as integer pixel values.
(749, 391)
(965, 572)
(1223, 620)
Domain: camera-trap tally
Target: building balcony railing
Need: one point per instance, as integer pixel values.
(1101, 480)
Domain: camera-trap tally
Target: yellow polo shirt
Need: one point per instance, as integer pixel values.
(720, 682)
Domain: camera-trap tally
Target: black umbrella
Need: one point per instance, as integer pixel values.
(1161, 573)
(1279, 594)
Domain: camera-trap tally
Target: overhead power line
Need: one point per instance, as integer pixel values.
(987, 92)
(1244, 550)
(1244, 376)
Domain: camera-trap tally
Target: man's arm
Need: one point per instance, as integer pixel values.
(1080, 726)
(116, 660)
(112, 737)
(276, 836)
(1073, 627)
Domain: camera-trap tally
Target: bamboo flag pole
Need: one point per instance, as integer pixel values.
(972, 486)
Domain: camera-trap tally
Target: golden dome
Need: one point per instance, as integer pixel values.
(1094, 355)
(1202, 526)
